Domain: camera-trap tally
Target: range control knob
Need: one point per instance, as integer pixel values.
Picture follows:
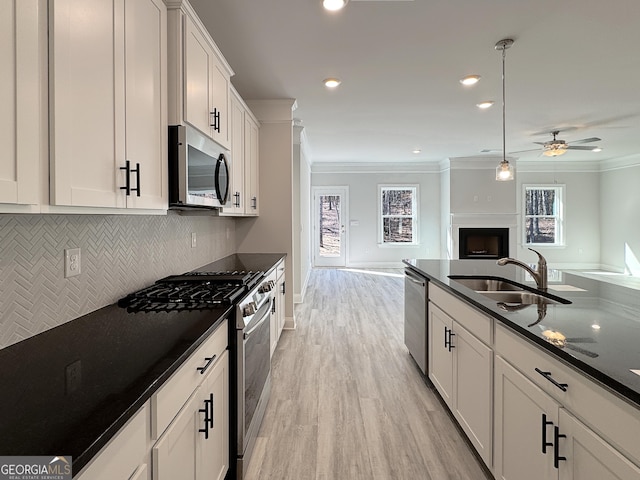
(249, 309)
(266, 287)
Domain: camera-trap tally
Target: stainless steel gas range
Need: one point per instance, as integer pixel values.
(249, 341)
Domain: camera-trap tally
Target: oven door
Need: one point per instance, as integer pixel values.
(254, 364)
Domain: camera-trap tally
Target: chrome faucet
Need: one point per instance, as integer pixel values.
(539, 275)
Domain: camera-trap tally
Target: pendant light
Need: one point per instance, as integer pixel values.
(505, 170)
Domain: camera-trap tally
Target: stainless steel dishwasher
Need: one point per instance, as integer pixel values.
(415, 317)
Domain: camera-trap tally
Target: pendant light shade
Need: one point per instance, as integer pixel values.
(504, 171)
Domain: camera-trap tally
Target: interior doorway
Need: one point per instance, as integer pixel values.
(330, 226)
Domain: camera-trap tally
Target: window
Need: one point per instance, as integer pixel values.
(398, 215)
(543, 214)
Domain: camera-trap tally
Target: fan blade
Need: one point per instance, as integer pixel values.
(574, 147)
(539, 143)
(586, 140)
(524, 151)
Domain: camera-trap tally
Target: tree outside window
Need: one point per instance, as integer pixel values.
(543, 214)
(398, 214)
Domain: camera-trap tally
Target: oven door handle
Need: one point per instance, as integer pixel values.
(264, 309)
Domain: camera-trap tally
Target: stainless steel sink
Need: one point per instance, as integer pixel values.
(523, 297)
(506, 291)
(486, 284)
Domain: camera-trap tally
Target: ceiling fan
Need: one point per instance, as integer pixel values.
(556, 147)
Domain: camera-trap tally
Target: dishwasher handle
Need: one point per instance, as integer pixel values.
(415, 279)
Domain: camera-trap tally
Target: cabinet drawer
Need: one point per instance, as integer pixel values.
(478, 324)
(613, 418)
(170, 398)
(280, 269)
(126, 455)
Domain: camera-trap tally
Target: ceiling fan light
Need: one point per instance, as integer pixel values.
(504, 171)
(596, 149)
(334, 5)
(554, 152)
(470, 80)
(485, 105)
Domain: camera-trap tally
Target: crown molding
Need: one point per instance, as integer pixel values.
(374, 167)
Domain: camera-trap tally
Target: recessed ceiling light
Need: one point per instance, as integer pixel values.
(331, 82)
(416, 151)
(484, 105)
(596, 149)
(334, 5)
(470, 80)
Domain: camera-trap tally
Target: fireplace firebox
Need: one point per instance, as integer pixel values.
(483, 243)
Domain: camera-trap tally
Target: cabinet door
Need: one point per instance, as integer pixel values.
(588, 456)
(220, 96)
(252, 204)
(145, 92)
(440, 354)
(198, 68)
(521, 408)
(174, 454)
(19, 97)
(235, 205)
(280, 292)
(212, 453)
(87, 102)
(473, 393)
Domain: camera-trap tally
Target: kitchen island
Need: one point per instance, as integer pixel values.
(518, 376)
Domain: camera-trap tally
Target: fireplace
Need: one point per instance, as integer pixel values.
(483, 243)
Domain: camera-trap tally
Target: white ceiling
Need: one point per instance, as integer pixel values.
(575, 66)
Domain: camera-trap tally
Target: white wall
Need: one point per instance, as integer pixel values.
(363, 180)
(301, 214)
(582, 228)
(620, 215)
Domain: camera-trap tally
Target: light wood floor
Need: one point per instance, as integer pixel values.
(347, 401)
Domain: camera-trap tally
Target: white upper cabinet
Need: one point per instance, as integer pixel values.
(251, 162)
(199, 76)
(20, 102)
(243, 189)
(108, 125)
(236, 202)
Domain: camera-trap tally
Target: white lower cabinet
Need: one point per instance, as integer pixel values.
(460, 367)
(195, 445)
(126, 456)
(538, 439)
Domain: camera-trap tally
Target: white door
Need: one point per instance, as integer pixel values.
(330, 223)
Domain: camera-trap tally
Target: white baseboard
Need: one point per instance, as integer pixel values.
(299, 297)
(397, 264)
(289, 323)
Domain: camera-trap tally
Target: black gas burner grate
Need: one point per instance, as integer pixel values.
(191, 291)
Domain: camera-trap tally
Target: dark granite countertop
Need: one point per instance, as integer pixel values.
(601, 325)
(124, 358)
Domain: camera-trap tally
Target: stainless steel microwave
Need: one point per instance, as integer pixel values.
(198, 170)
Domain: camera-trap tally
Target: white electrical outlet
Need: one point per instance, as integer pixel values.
(71, 262)
(194, 241)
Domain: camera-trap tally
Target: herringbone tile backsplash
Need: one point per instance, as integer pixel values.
(119, 254)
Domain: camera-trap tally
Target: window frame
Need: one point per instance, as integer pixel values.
(414, 216)
(558, 215)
